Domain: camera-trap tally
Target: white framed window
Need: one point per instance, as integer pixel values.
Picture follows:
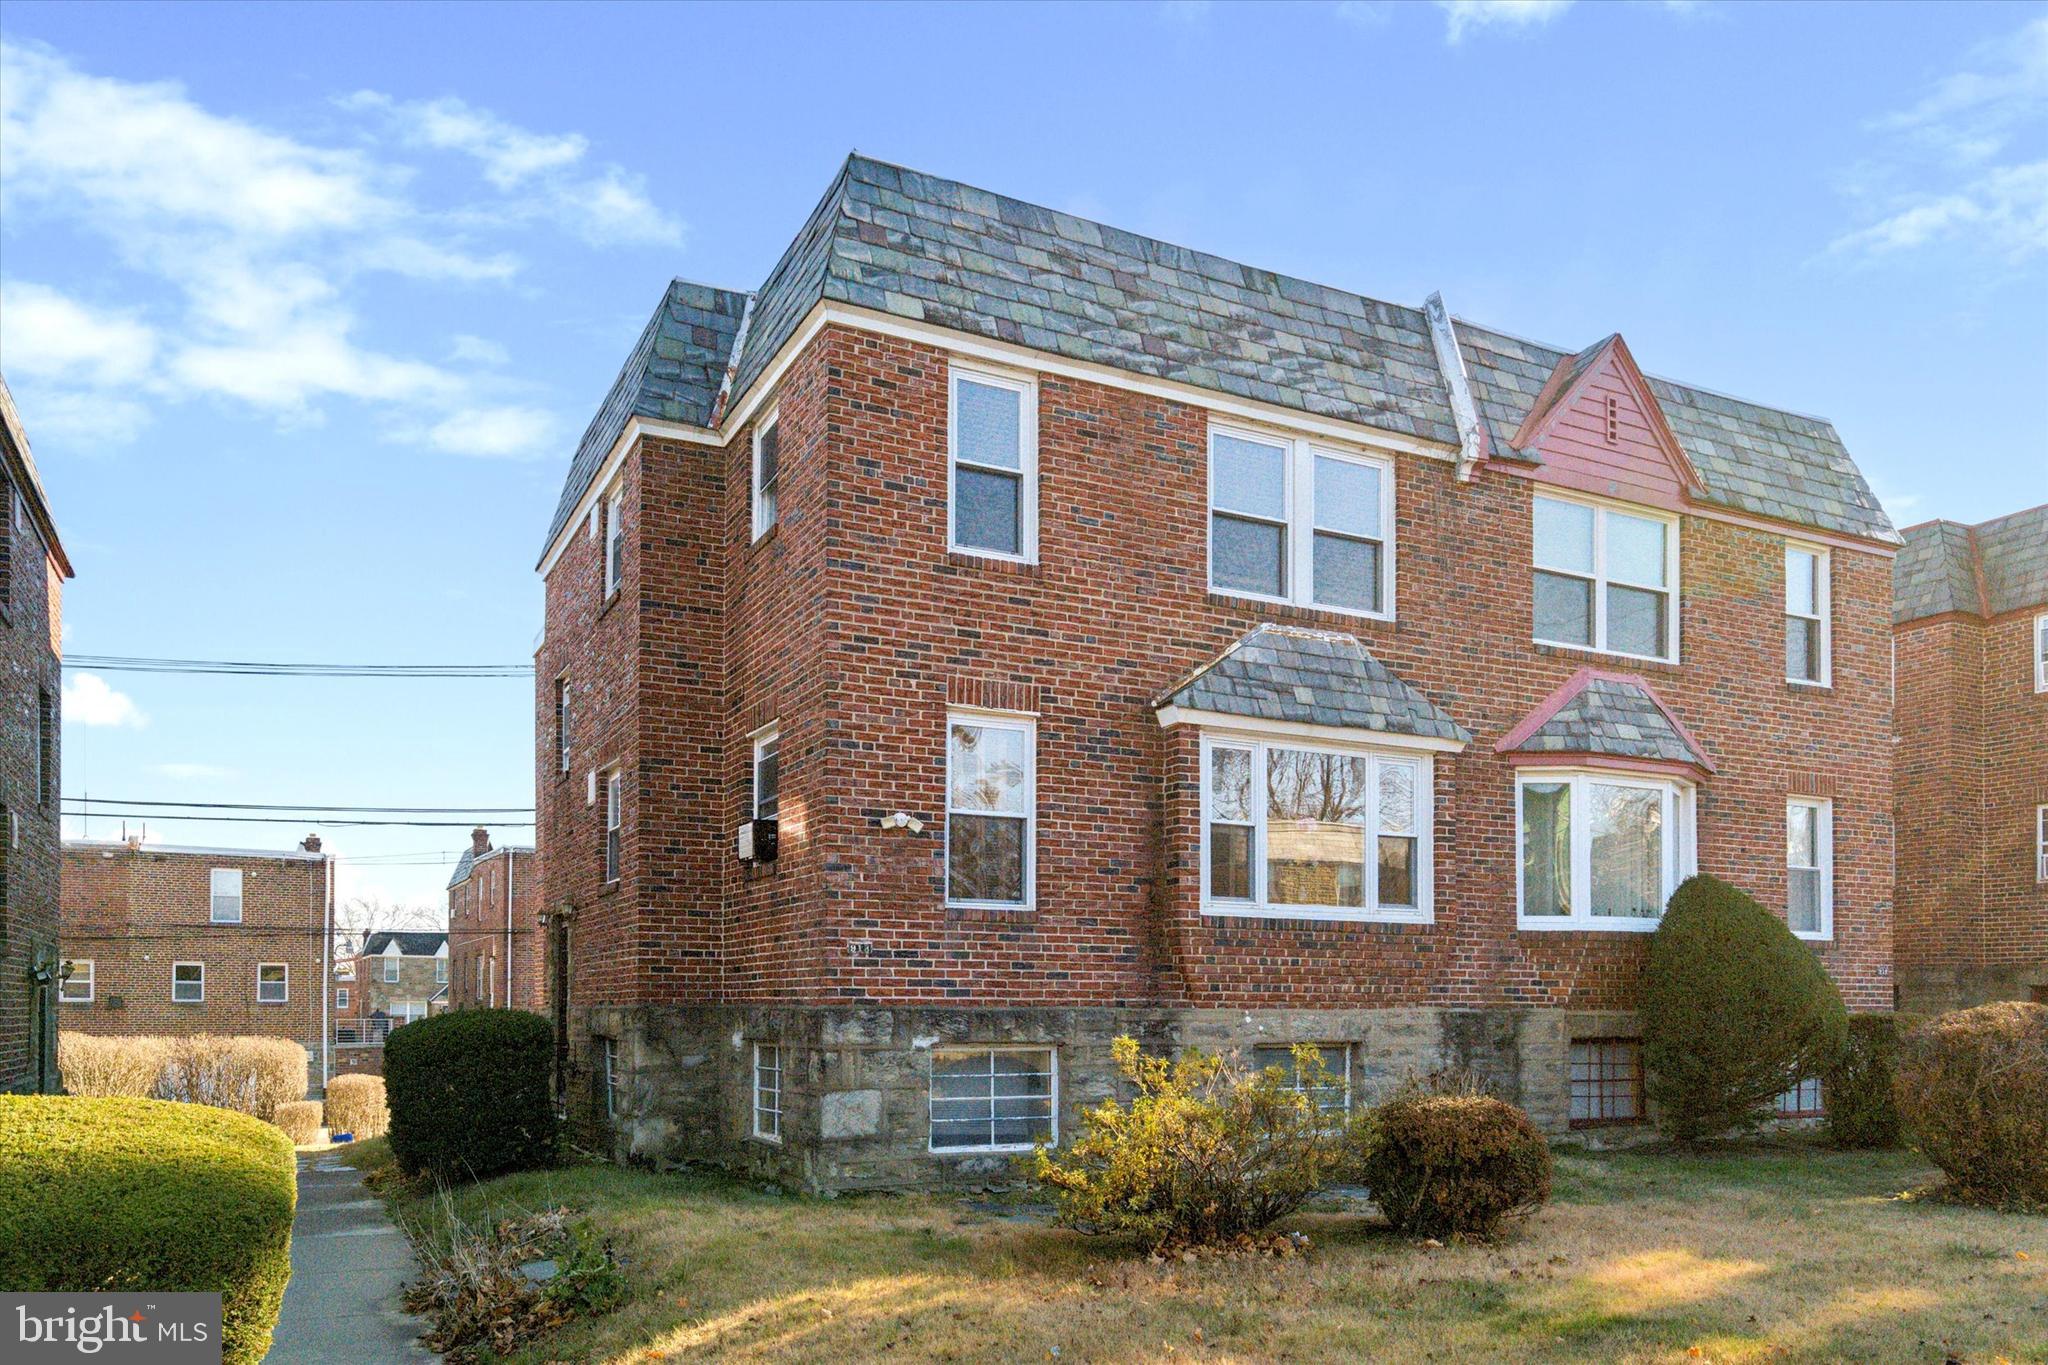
(1810, 867)
(991, 809)
(992, 464)
(1605, 579)
(768, 1092)
(562, 722)
(1807, 600)
(441, 969)
(226, 887)
(614, 539)
(1296, 829)
(391, 963)
(77, 988)
(188, 983)
(1291, 520)
(344, 971)
(273, 983)
(608, 1074)
(614, 813)
(341, 997)
(1599, 850)
(1802, 1101)
(1332, 1097)
(767, 773)
(994, 1099)
(2041, 843)
(767, 477)
(2041, 653)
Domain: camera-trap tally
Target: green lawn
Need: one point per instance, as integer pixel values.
(1787, 1252)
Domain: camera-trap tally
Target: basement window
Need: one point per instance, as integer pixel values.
(994, 1099)
(1606, 1081)
(1332, 1097)
(1802, 1101)
(768, 1092)
(608, 1077)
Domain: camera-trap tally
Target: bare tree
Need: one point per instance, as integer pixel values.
(360, 916)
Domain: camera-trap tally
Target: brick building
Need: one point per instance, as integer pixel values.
(1970, 633)
(496, 954)
(397, 976)
(33, 568)
(1084, 635)
(166, 940)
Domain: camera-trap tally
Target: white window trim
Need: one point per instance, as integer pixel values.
(2041, 652)
(608, 1062)
(341, 997)
(1824, 850)
(1680, 859)
(563, 700)
(2041, 843)
(391, 968)
(996, 720)
(1026, 387)
(200, 999)
(762, 738)
(1823, 603)
(1341, 1075)
(64, 996)
(931, 1096)
(770, 422)
(1299, 523)
(614, 570)
(214, 893)
(1259, 741)
(614, 823)
(284, 999)
(1600, 580)
(776, 1136)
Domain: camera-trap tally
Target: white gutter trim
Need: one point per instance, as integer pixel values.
(636, 427)
(1224, 722)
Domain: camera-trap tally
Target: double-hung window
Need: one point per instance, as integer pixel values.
(1599, 850)
(767, 774)
(613, 813)
(1001, 1099)
(1810, 867)
(227, 895)
(991, 809)
(78, 983)
(562, 722)
(1292, 521)
(768, 1092)
(188, 983)
(1311, 831)
(614, 539)
(767, 481)
(273, 983)
(992, 437)
(391, 965)
(2041, 843)
(1605, 579)
(341, 997)
(2041, 653)
(1806, 615)
(441, 968)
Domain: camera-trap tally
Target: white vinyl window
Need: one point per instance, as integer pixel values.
(767, 774)
(1807, 590)
(991, 805)
(2041, 653)
(1293, 521)
(992, 437)
(1810, 867)
(1332, 1097)
(767, 481)
(768, 1092)
(273, 983)
(391, 963)
(614, 539)
(613, 814)
(441, 969)
(188, 983)
(78, 986)
(226, 884)
(994, 1099)
(608, 1074)
(1605, 579)
(562, 723)
(2041, 843)
(1599, 850)
(1310, 831)
(341, 997)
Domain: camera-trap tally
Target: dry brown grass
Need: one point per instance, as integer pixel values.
(1782, 1253)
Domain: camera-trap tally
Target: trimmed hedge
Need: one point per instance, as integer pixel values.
(1857, 1089)
(1734, 1011)
(299, 1120)
(469, 1093)
(1972, 1088)
(355, 1105)
(133, 1194)
(103, 1068)
(1445, 1165)
(248, 1074)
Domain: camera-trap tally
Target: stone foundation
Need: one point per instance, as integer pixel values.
(856, 1081)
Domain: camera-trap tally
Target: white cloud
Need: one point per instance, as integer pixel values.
(88, 418)
(192, 772)
(48, 335)
(477, 351)
(509, 154)
(88, 700)
(1461, 16)
(500, 433)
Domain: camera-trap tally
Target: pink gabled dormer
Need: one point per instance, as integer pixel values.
(1596, 427)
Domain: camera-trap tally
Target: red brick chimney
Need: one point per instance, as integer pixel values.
(479, 840)
(311, 843)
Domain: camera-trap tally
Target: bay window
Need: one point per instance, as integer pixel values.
(990, 810)
(1599, 850)
(1809, 867)
(1314, 831)
(1605, 579)
(1292, 521)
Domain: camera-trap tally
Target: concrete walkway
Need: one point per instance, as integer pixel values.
(348, 1265)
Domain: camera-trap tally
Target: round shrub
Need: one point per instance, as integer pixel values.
(250, 1075)
(1441, 1165)
(1973, 1090)
(1857, 1089)
(300, 1120)
(132, 1194)
(1734, 1011)
(355, 1105)
(469, 1093)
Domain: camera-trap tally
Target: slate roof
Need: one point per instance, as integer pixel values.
(1314, 677)
(422, 944)
(1989, 569)
(1606, 715)
(921, 248)
(467, 862)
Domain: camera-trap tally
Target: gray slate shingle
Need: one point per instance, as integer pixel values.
(1313, 677)
(1939, 563)
(1615, 719)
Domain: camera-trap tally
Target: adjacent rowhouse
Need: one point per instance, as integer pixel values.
(495, 949)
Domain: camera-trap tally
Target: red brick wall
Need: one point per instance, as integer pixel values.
(29, 625)
(476, 934)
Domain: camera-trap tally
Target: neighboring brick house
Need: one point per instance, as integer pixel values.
(33, 568)
(399, 975)
(1970, 639)
(1091, 636)
(165, 940)
(496, 954)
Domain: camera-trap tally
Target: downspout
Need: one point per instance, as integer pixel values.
(510, 857)
(1450, 362)
(327, 980)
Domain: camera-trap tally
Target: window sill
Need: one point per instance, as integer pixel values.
(1285, 608)
(1581, 1125)
(1641, 661)
(1580, 926)
(1316, 914)
(1808, 685)
(988, 562)
(990, 1151)
(761, 538)
(764, 1139)
(986, 908)
(1813, 938)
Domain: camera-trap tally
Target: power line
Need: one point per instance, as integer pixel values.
(287, 820)
(303, 806)
(127, 663)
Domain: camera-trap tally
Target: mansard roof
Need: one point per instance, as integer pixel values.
(1311, 677)
(1603, 715)
(1988, 569)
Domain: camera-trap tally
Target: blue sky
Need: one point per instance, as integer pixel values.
(304, 308)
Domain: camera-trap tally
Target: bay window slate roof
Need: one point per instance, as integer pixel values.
(1311, 677)
(1987, 570)
(1612, 718)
